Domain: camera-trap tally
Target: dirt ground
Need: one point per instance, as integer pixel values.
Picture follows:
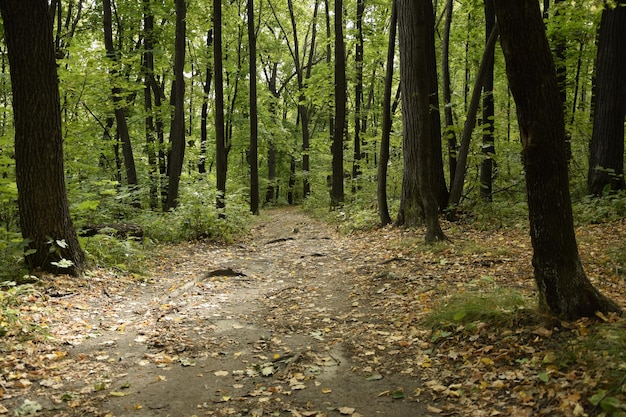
(297, 319)
(261, 328)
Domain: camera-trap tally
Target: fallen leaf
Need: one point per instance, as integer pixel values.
(221, 373)
(347, 411)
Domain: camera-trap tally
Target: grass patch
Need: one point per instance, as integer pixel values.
(500, 308)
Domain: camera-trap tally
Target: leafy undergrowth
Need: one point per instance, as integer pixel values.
(462, 317)
(459, 317)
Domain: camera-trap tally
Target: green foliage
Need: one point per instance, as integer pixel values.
(590, 209)
(126, 255)
(501, 307)
(12, 323)
(197, 218)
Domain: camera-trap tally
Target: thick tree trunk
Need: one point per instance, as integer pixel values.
(420, 184)
(383, 208)
(606, 159)
(177, 127)
(42, 199)
(564, 289)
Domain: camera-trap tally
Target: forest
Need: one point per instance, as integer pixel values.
(128, 127)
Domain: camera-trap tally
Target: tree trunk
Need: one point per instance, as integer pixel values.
(221, 151)
(148, 74)
(42, 198)
(358, 94)
(204, 112)
(337, 190)
(119, 102)
(456, 189)
(564, 289)
(420, 185)
(488, 148)
(606, 159)
(177, 127)
(450, 128)
(383, 208)
(254, 128)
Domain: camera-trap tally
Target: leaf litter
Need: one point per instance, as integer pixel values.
(316, 323)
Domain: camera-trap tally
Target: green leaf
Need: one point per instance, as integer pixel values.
(543, 376)
(397, 395)
(63, 263)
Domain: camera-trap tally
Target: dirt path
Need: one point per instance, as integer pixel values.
(273, 326)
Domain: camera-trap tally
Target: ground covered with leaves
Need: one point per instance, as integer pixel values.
(298, 319)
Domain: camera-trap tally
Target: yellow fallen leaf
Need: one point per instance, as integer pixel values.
(435, 410)
(326, 390)
(221, 373)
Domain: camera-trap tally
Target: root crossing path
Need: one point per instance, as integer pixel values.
(294, 320)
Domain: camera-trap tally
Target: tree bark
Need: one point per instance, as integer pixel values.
(450, 128)
(254, 121)
(564, 289)
(420, 185)
(383, 208)
(488, 148)
(358, 94)
(42, 198)
(606, 159)
(177, 128)
(221, 150)
(337, 190)
(119, 102)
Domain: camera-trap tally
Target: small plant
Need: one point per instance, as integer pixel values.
(106, 251)
(498, 308)
(12, 323)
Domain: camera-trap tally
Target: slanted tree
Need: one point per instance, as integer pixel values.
(42, 199)
(606, 157)
(564, 289)
(420, 180)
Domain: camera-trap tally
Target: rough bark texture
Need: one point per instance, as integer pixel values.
(606, 159)
(420, 183)
(564, 289)
(44, 214)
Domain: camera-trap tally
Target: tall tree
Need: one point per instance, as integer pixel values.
(564, 289)
(488, 148)
(383, 207)
(337, 190)
(117, 93)
(358, 93)
(606, 157)
(450, 128)
(420, 185)
(177, 127)
(221, 147)
(42, 199)
(254, 121)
